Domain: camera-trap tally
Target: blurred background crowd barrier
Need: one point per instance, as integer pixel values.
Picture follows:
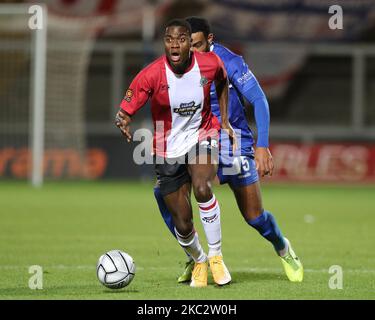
(60, 86)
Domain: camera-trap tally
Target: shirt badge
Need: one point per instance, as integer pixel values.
(128, 95)
(203, 81)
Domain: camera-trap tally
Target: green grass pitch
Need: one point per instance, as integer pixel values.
(64, 227)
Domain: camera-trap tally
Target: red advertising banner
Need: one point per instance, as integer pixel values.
(58, 163)
(342, 162)
(323, 162)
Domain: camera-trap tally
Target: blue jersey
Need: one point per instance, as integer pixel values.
(240, 81)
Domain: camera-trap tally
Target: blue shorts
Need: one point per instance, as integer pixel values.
(242, 173)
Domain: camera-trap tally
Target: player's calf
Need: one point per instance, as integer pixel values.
(167, 217)
(210, 216)
(190, 242)
(266, 225)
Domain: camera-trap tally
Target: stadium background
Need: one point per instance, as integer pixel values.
(321, 88)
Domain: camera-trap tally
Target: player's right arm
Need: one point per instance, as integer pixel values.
(135, 98)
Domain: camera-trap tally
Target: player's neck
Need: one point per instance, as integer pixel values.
(183, 67)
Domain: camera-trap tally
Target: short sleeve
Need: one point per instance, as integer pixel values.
(137, 94)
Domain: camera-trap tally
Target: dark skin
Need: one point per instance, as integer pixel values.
(177, 44)
(248, 198)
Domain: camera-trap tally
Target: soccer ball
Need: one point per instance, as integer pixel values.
(115, 269)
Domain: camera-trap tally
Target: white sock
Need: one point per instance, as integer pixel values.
(210, 217)
(191, 244)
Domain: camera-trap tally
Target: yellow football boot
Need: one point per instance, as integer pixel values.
(292, 265)
(219, 270)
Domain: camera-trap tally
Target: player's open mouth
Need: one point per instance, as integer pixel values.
(175, 56)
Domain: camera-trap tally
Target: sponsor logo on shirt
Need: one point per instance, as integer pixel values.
(245, 77)
(187, 109)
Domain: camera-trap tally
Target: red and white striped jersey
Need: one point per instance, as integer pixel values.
(180, 104)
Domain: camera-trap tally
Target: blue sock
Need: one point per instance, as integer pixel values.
(167, 216)
(267, 227)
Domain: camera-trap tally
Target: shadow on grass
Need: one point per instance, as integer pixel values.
(47, 292)
(238, 277)
(118, 291)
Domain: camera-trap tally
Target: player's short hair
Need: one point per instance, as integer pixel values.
(199, 24)
(179, 23)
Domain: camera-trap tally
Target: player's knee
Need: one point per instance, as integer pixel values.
(202, 190)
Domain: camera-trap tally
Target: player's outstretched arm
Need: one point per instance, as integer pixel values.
(135, 98)
(122, 121)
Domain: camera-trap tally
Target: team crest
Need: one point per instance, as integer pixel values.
(204, 81)
(128, 95)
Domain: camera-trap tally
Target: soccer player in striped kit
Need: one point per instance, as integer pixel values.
(239, 169)
(185, 131)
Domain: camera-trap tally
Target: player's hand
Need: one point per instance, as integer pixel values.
(232, 135)
(264, 161)
(122, 121)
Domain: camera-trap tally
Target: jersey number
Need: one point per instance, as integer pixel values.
(245, 164)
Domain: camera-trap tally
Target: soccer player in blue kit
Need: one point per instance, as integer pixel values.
(239, 170)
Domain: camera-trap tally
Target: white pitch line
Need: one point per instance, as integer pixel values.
(92, 267)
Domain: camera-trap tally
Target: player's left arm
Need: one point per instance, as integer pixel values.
(246, 83)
